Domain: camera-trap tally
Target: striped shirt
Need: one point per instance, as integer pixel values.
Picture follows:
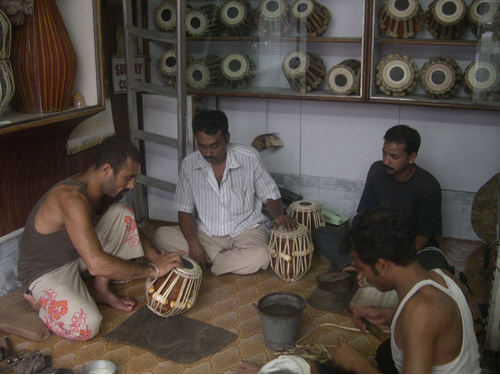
(236, 205)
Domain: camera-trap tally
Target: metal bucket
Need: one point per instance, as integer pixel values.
(280, 314)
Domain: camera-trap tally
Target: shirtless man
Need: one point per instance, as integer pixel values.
(432, 328)
(78, 226)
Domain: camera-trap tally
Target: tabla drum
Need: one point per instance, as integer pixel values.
(290, 252)
(204, 72)
(311, 18)
(401, 18)
(397, 75)
(7, 85)
(484, 15)
(344, 78)
(307, 213)
(203, 21)
(237, 18)
(440, 77)
(482, 80)
(175, 292)
(304, 71)
(165, 15)
(167, 63)
(273, 17)
(447, 19)
(238, 71)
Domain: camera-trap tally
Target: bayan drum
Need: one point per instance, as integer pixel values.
(401, 18)
(175, 292)
(440, 77)
(237, 18)
(273, 17)
(344, 78)
(167, 63)
(204, 72)
(166, 15)
(290, 252)
(484, 15)
(307, 213)
(203, 21)
(312, 18)
(397, 75)
(238, 71)
(482, 80)
(304, 70)
(447, 19)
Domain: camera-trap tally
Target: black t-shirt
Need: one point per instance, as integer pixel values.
(418, 199)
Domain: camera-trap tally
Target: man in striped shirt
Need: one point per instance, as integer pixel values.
(219, 196)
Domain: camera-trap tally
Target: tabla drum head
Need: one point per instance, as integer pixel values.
(302, 8)
(233, 13)
(343, 79)
(166, 16)
(484, 15)
(450, 11)
(482, 75)
(440, 77)
(273, 8)
(198, 76)
(168, 62)
(196, 23)
(397, 72)
(402, 9)
(295, 63)
(235, 66)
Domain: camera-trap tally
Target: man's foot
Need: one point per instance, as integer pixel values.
(245, 367)
(102, 294)
(33, 302)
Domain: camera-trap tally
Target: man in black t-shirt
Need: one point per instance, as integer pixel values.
(396, 182)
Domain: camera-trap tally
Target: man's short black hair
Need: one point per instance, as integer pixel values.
(210, 122)
(381, 234)
(115, 151)
(403, 134)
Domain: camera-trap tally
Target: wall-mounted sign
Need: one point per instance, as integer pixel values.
(120, 72)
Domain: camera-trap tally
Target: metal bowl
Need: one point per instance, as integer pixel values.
(99, 367)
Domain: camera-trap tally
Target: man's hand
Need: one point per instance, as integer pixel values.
(286, 221)
(373, 314)
(350, 359)
(166, 262)
(199, 255)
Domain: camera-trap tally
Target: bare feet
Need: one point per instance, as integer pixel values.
(245, 367)
(32, 301)
(102, 294)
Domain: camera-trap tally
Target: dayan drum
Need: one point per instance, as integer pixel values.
(344, 78)
(290, 252)
(447, 19)
(304, 71)
(401, 18)
(167, 63)
(237, 17)
(307, 213)
(204, 72)
(175, 292)
(166, 15)
(484, 15)
(482, 80)
(311, 18)
(397, 75)
(440, 77)
(273, 17)
(238, 71)
(203, 21)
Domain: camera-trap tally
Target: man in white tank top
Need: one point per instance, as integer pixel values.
(432, 330)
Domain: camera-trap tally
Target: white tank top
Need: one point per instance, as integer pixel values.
(467, 362)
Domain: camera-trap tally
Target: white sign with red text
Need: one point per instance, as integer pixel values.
(120, 72)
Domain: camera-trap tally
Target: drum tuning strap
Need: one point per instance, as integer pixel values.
(157, 270)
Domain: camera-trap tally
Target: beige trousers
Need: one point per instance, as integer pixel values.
(67, 307)
(247, 252)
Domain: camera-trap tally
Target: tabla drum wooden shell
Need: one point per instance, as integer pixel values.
(273, 17)
(204, 21)
(401, 18)
(397, 75)
(290, 253)
(238, 70)
(440, 77)
(482, 80)
(165, 15)
(447, 19)
(307, 213)
(304, 71)
(167, 63)
(237, 18)
(484, 15)
(175, 292)
(204, 72)
(344, 78)
(311, 18)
